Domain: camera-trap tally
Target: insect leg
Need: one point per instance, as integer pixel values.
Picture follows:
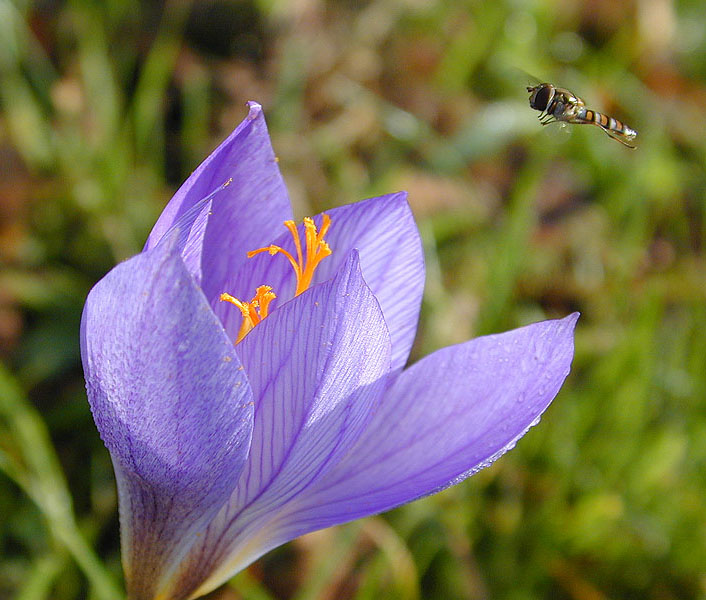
(590, 117)
(618, 138)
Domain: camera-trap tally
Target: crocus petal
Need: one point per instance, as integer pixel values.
(445, 418)
(187, 234)
(172, 404)
(193, 246)
(383, 231)
(244, 213)
(317, 367)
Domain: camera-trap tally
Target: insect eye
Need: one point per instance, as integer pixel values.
(541, 98)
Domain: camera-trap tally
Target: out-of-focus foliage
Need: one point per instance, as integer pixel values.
(107, 106)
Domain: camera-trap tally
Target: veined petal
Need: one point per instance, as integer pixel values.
(172, 404)
(187, 233)
(383, 231)
(317, 367)
(245, 212)
(445, 418)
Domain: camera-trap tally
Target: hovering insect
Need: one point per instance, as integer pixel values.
(558, 104)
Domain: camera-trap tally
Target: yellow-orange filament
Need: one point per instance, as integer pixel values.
(315, 250)
(254, 311)
(307, 259)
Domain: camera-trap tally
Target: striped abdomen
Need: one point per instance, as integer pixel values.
(614, 128)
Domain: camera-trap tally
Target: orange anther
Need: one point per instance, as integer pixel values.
(254, 311)
(316, 250)
(315, 247)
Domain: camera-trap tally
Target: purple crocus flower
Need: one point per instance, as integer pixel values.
(236, 425)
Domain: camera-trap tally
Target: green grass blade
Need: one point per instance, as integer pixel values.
(29, 459)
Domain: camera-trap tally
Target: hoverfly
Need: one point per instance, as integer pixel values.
(560, 105)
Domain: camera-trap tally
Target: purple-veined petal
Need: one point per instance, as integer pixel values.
(317, 366)
(172, 404)
(188, 231)
(383, 231)
(445, 418)
(245, 212)
(193, 246)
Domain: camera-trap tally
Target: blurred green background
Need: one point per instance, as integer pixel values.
(108, 106)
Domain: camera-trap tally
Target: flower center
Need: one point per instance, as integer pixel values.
(304, 265)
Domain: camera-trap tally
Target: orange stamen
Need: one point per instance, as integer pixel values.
(254, 311)
(316, 250)
(304, 267)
